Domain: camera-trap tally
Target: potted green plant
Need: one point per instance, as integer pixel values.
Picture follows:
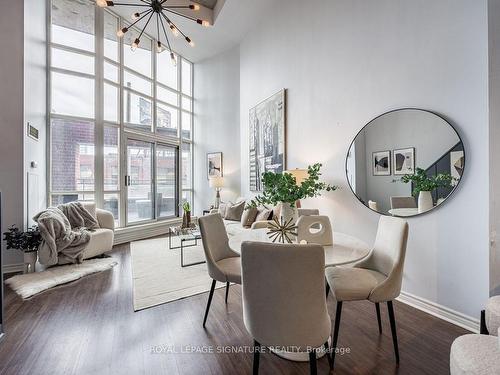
(186, 216)
(27, 241)
(424, 185)
(282, 188)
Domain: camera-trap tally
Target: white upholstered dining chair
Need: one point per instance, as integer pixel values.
(376, 278)
(223, 263)
(285, 308)
(315, 229)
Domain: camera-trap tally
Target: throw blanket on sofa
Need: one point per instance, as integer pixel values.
(64, 235)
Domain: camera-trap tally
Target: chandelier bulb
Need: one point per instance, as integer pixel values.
(121, 32)
(194, 7)
(104, 3)
(134, 45)
(191, 43)
(159, 47)
(135, 16)
(174, 30)
(203, 23)
(172, 59)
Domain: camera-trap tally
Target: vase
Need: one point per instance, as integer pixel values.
(288, 212)
(30, 261)
(186, 219)
(424, 201)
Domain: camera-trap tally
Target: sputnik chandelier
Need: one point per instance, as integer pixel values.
(160, 10)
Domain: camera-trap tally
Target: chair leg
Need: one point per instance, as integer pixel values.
(227, 290)
(483, 330)
(256, 357)
(379, 320)
(336, 330)
(327, 350)
(393, 329)
(209, 302)
(312, 363)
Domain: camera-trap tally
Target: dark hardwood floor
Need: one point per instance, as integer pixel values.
(89, 327)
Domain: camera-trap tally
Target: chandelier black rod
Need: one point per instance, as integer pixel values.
(180, 14)
(146, 12)
(166, 36)
(146, 25)
(173, 24)
(133, 5)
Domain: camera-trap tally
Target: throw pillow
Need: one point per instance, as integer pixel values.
(276, 211)
(263, 214)
(248, 216)
(235, 211)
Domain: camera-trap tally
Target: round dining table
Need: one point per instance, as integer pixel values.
(346, 249)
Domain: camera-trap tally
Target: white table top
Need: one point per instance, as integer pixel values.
(346, 249)
(403, 211)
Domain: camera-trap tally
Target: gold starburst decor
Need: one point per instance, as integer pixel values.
(282, 231)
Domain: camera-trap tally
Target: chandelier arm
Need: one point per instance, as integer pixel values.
(146, 25)
(179, 14)
(176, 7)
(158, 27)
(133, 5)
(166, 36)
(169, 21)
(146, 2)
(144, 15)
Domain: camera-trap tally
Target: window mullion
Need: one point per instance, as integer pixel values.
(99, 108)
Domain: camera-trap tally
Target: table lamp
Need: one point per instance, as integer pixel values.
(300, 175)
(217, 183)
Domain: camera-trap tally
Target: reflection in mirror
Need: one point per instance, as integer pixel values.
(405, 162)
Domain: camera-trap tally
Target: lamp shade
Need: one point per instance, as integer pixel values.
(299, 174)
(216, 182)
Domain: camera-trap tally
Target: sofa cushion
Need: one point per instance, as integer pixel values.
(234, 227)
(248, 216)
(235, 211)
(222, 209)
(264, 214)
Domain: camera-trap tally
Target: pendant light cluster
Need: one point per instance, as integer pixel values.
(160, 10)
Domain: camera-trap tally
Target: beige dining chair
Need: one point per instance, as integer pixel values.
(285, 308)
(376, 278)
(315, 229)
(403, 202)
(223, 264)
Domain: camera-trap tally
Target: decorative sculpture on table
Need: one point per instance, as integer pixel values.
(282, 231)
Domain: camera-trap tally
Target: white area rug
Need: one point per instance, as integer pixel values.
(158, 276)
(33, 283)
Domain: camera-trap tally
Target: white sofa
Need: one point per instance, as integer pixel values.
(101, 239)
(234, 227)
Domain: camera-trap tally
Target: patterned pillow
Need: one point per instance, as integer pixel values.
(235, 211)
(223, 209)
(263, 214)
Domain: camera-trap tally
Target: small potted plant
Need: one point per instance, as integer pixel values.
(186, 216)
(28, 242)
(282, 188)
(424, 185)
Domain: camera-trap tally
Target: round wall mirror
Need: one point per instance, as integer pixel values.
(405, 162)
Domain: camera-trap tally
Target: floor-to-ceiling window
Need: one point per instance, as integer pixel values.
(120, 120)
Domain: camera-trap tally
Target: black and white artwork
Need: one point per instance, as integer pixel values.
(267, 138)
(404, 161)
(381, 161)
(214, 164)
(457, 162)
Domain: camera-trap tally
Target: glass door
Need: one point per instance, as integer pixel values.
(167, 204)
(139, 181)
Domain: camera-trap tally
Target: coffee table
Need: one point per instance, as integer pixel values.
(188, 237)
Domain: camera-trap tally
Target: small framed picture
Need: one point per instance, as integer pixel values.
(381, 161)
(404, 161)
(214, 165)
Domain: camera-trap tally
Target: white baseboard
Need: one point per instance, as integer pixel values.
(12, 268)
(440, 311)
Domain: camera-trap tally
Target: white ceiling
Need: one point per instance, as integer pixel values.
(233, 19)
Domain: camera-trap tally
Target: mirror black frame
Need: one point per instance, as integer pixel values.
(397, 110)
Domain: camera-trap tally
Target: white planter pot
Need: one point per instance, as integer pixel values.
(288, 212)
(424, 201)
(30, 261)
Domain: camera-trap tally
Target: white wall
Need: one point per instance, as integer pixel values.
(35, 105)
(343, 63)
(11, 119)
(217, 125)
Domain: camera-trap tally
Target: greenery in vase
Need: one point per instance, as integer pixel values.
(186, 206)
(283, 188)
(27, 241)
(422, 182)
